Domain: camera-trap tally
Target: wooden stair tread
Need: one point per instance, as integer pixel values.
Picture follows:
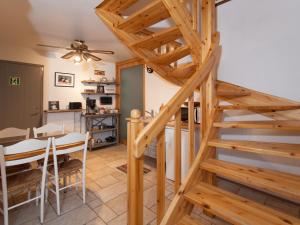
(266, 148)
(293, 125)
(149, 15)
(158, 39)
(183, 71)
(259, 107)
(280, 184)
(116, 6)
(235, 209)
(172, 56)
(232, 93)
(188, 220)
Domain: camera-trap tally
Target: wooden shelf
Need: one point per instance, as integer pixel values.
(63, 110)
(103, 144)
(99, 82)
(103, 130)
(96, 93)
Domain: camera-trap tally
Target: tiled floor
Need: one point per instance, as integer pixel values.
(106, 197)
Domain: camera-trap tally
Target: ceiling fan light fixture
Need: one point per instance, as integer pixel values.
(78, 58)
(87, 58)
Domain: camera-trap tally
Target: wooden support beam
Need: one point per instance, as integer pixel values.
(191, 126)
(183, 21)
(177, 144)
(135, 182)
(204, 115)
(161, 176)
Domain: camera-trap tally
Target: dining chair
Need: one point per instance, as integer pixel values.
(48, 129)
(12, 132)
(24, 152)
(70, 143)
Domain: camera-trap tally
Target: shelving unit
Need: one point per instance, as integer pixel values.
(98, 82)
(92, 123)
(96, 93)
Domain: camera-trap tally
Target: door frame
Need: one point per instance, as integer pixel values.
(42, 91)
(123, 65)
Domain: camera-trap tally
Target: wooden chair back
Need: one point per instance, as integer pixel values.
(70, 143)
(48, 128)
(14, 132)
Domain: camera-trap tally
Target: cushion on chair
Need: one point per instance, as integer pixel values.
(17, 169)
(68, 167)
(60, 159)
(24, 181)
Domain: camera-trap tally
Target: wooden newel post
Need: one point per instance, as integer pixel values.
(135, 171)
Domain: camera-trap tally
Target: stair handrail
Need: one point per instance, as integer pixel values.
(151, 131)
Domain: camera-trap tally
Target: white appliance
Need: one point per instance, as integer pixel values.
(170, 153)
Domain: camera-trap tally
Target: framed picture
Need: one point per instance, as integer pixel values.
(64, 79)
(99, 72)
(53, 105)
(100, 89)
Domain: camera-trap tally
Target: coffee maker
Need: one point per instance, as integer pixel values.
(91, 107)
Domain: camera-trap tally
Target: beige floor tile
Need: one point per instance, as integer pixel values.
(150, 197)
(121, 176)
(112, 191)
(67, 204)
(94, 204)
(106, 181)
(96, 221)
(118, 204)
(29, 213)
(148, 215)
(105, 213)
(79, 216)
(120, 220)
(90, 196)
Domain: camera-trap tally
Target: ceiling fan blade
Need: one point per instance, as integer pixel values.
(101, 51)
(95, 58)
(52, 46)
(68, 55)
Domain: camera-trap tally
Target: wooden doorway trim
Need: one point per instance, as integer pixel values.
(123, 65)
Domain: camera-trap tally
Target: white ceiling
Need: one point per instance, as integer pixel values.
(57, 22)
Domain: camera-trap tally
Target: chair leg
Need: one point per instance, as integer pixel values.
(37, 193)
(5, 215)
(42, 202)
(57, 194)
(83, 188)
(77, 179)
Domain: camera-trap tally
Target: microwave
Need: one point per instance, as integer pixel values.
(185, 114)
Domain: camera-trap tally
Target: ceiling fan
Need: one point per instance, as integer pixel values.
(79, 50)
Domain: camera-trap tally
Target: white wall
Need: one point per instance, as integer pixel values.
(52, 63)
(260, 40)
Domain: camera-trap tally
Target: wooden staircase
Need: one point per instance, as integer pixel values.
(186, 56)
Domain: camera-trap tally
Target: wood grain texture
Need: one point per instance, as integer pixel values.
(284, 185)
(291, 125)
(264, 148)
(235, 209)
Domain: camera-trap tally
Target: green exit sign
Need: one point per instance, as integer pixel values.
(15, 81)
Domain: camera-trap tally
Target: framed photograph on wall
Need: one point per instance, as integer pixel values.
(53, 105)
(64, 79)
